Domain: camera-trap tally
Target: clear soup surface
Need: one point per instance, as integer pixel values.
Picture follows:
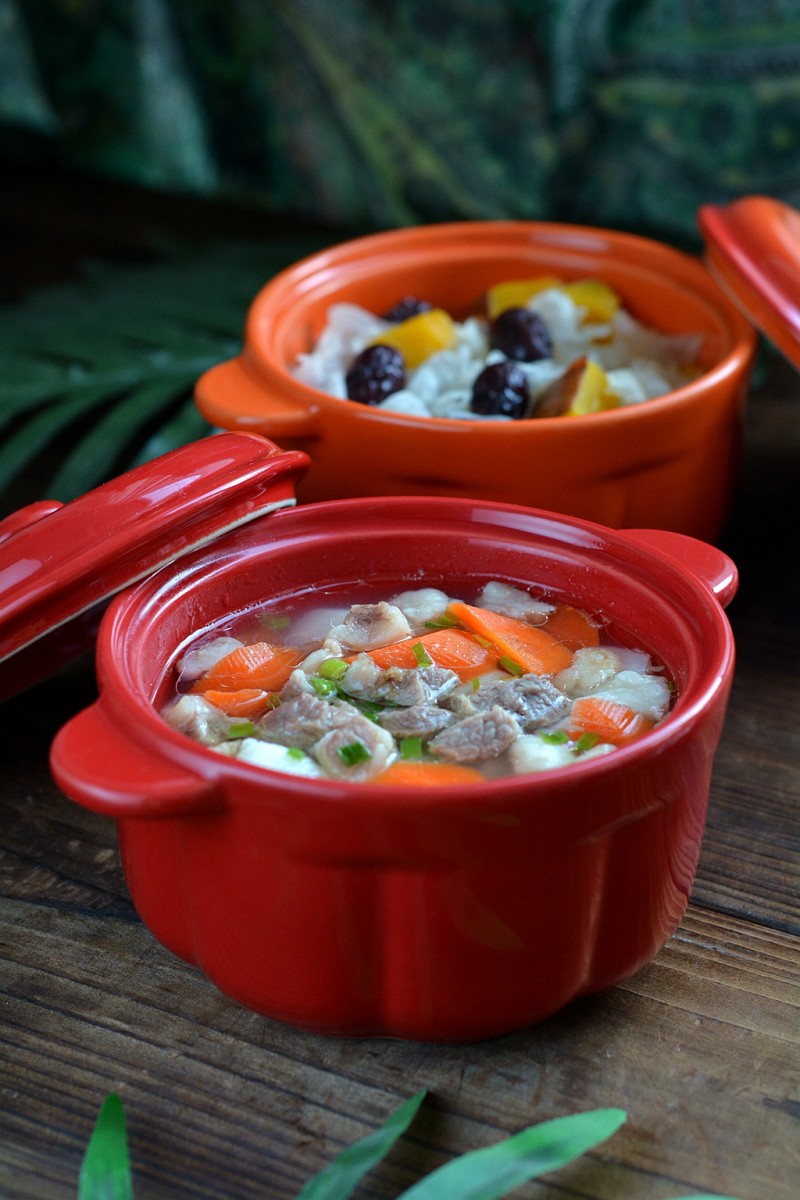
(419, 686)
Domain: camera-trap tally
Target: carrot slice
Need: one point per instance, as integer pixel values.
(529, 646)
(424, 774)
(247, 702)
(610, 721)
(572, 626)
(260, 665)
(452, 648)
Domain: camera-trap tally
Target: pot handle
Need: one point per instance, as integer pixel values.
(97, 765)
(707, 563)
(234, 395)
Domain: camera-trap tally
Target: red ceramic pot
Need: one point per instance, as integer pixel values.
(669, 463)
(434, 914)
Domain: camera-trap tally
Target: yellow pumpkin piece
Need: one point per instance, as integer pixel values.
(600, 301)
(582, 389)
(420, 336)
(592, 394)
(515, 293)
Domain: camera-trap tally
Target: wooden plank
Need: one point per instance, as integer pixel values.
(700, 1048)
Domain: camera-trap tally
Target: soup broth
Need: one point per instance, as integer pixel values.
(419, 686)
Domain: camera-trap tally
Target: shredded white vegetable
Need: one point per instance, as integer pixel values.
(641, 363)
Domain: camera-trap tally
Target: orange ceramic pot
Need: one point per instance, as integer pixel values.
(669, 463)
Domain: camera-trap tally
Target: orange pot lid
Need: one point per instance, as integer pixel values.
(753, 251)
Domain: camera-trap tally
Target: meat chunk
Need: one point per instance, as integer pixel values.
(198, 719)
(269, 754)
(202, 658)
(484, 735)
(420, 720)
(397, 685)
(363, 677)
(298, 684)
(591, 667)
(421, 605)
(367, 626)
(513, 602)
(301, 721)
(531, 753)
(647, 694)
(531, 699)
(356, 749)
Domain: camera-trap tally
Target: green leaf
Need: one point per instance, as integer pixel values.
(127, 343)
(493, 1171)
(26, 443)
(106, 1168)
(185, 426)
(340, 1178)
(92, 460)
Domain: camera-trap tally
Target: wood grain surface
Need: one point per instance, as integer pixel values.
(700, 1047)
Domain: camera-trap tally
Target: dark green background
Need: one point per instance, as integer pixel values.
(296, 122)
(628, 113)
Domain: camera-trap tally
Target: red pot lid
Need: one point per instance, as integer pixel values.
(60, 564)
(753, 250)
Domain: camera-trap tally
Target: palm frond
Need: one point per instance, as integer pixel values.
(97, 376)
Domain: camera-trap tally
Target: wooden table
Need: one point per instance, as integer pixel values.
(700, 1047)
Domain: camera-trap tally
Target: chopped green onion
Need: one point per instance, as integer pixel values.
(509, 665)
(276, 621)
(369, 709)
(241, 729)
(353, 753)
(411, 747)
(295, 752)
(323, 687)
(476, 683)
(482, 641)
(421, 655)
(334, 668)
(445, 620)
(557, 738)
(585, 742)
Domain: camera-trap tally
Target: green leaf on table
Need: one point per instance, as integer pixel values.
(97, 376)
(493, 1171)
(106, 1168)
(338, 1180)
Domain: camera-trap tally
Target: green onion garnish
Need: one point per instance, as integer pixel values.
(557, 738)
(421, 655)
(509, 665)
(411, 747)
(353, 753)
(323, 687)
(476, 683)
(334, 668)
(295, 752)
(241, 729)
(275, 621)
(445, 620)
(369, 709)
(585, 742)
